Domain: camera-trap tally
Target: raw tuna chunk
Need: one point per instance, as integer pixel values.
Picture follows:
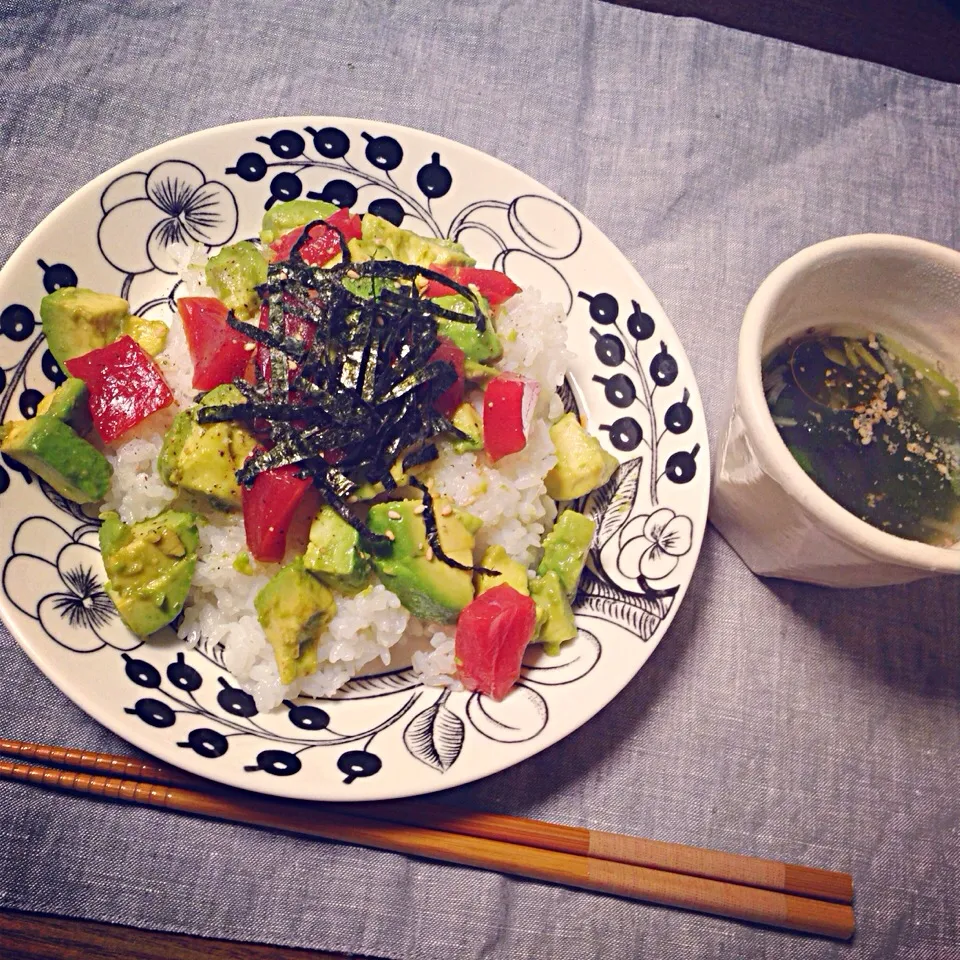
(492, 632)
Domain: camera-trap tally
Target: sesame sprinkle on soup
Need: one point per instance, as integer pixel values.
(875, 426)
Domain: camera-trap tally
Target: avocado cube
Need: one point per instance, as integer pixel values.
(565, 548)
(363, 250)
(582, 464)
(334, 554)
(76, 320)
(476, 345)
(202, 459)
(293, 608)
(426, 586)
(69, 403)
(368, 287)
(466, 419)
(407, 246)
(149, 565)
(401, 477)
(554, 624)
(471, 523)
(234, 274)
(478, 372)
(150, 334)
(510, 571)
(283, 217)
(54, 451)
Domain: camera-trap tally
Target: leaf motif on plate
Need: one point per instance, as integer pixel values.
(377, 685)
(614, 501)
(435, 736)
(568, 398)
(519, 717)
(638, 615)
(574, 660)
(592, 586)
(87, 516)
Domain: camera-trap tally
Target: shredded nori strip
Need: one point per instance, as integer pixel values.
(345, 407)
(289, 345)
(424, 455)
(433, 534)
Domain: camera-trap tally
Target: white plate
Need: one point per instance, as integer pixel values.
(384, 735)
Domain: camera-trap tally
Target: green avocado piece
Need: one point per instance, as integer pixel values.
(426, 586)
(283, 217)
(401, 477)
(466, 419)
(565, 548)
(203, 459)
(478, 372)
(476, 345)
(56, 452)
(510, 571)
(582, 464)
(76, 320)
(366, 287)
(150, 334)
(406, 246)
(555, 624)
(334, 553)
(149, 565)
(293, 608)
(470, 523)
(360, 252)
(234, 273)
(69, 404)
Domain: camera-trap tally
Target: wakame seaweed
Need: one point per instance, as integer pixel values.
(875, 426)
(345, 381)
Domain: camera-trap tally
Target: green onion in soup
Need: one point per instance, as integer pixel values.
(876, 427)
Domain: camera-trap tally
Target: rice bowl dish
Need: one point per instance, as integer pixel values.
(506, 498)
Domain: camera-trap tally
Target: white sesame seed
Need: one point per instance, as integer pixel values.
(394, 514)
(390, 535)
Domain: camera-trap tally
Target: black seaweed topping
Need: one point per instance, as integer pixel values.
(424, 455)
(433, 534)
(288, 345)
(345, 406)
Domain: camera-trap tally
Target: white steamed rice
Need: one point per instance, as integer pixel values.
(372, 627)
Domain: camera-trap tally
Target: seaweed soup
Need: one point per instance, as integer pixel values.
(874, 425)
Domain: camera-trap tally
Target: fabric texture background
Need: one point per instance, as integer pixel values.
(775, 719)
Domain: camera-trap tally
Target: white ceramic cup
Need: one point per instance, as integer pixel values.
(779, 521)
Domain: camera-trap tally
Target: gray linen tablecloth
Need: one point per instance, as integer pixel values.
(775, 719)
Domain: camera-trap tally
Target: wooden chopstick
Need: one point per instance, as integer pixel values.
(487, 841)
(656, 854)
(605, 876)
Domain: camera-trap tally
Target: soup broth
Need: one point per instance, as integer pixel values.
(875, 426)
